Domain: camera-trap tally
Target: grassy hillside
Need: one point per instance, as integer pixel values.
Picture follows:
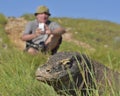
(17, 68)
(103, 36)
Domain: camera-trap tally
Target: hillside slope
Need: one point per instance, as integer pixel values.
(99, 38)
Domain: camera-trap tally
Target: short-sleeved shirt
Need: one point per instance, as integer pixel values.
(33, 25)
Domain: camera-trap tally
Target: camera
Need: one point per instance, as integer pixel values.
(41, 26)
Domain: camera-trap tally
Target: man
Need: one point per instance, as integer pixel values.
(48, 38)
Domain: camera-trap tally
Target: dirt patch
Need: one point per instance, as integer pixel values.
(14, 28)
(69, 38)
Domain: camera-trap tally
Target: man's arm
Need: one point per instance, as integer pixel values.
(55, 29)
(58, 31)
(27, 36)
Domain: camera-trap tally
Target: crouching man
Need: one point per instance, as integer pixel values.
(42, 34)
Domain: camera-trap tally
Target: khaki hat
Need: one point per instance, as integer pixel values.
(42, 9)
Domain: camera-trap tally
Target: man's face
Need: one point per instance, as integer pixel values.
(43, 17)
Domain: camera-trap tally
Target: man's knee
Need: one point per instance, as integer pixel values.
(53, 38)
(32, 51)
(55, 43)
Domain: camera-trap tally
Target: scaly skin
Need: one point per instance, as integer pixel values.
(77, 71)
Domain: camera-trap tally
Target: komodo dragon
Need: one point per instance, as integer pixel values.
(71, 71)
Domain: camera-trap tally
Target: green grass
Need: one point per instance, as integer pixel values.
(17, 69)
(17, 72)
(3, 19)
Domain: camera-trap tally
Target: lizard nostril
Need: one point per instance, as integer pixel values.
(48, 70)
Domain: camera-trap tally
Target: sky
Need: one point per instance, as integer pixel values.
(108, 10)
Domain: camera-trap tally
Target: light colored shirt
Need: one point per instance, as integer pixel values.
(33, 25)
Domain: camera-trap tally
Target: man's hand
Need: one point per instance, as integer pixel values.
(47, 30)
(39, 32)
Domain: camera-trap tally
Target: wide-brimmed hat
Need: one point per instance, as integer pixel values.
(42, 9)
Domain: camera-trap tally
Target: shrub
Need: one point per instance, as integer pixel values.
(28, 16)
(3, 19)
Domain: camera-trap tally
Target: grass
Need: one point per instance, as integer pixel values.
(17, 72)
(17, 69)
(3, 19)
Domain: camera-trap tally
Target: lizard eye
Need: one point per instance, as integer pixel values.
(67, 63)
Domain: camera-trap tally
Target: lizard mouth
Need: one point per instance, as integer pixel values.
(44, 79)
(40, 78)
